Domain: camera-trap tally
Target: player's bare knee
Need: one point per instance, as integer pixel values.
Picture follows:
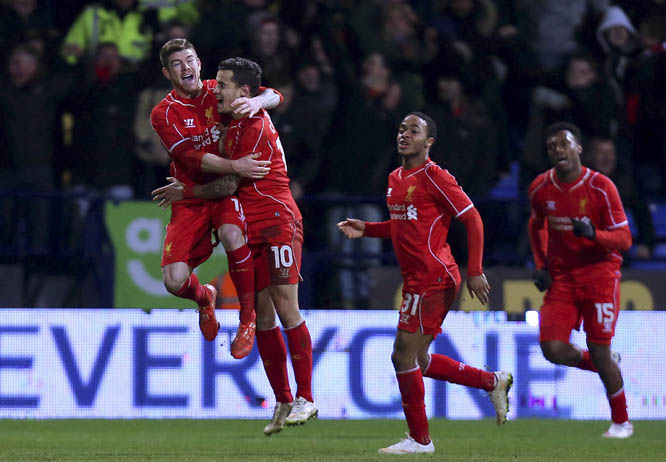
(231, 237)
(552, 352)
(173, 284)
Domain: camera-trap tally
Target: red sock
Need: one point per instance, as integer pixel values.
(585, 362)
(300, 349)
(618, 405)
(442, 367)
(193, 290)
(273, 354)
(413, 404)
(241, 271)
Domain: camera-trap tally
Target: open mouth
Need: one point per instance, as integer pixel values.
(403, 143)
(188, 78)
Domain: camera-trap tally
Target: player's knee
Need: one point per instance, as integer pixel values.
(231, 237)
(173, 283)
(551, 352)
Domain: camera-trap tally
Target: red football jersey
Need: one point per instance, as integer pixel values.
(187, 128)
(268, 198)
(592, 196)
(421, 203)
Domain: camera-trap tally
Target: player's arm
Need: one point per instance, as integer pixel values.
(538, 236)
(181, 147)
(353, 228)
(267, 98)
(477, 284)
(616, 234)
(176, 190)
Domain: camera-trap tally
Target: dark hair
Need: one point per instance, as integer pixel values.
(431, 126)
(172, 46)
(561, 126)
(246, 72)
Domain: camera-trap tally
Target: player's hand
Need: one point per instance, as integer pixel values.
(583, 229)
(248, 167)
(170, 193)
(541, 279)
(352, 228)
(246, 106)
(478, 286)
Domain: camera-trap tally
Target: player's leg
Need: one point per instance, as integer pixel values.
(241, 271)
(273, 352)
(229, 221)
(186, 245)
(406, 348)
(285, 300)
(600, 310)
(442, 367)
(557, 318)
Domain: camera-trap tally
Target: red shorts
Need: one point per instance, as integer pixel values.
(566, 305)
(189, 234)
(425, 312)
(276, 250)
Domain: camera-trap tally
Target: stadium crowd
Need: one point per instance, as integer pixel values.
(81, 81)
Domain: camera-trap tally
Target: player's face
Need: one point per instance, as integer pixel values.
(413, 137)
(184, 72)
(226, 91)
(564, 152)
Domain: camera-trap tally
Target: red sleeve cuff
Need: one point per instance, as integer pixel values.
(378, 229)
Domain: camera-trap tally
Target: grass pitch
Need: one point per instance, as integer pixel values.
(323, 440)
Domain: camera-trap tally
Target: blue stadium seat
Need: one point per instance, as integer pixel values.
(658, 210)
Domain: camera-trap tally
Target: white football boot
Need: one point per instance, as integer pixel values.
(408, 446)
(302, 411)
(500, 395)
(280, 414)
(623, 430)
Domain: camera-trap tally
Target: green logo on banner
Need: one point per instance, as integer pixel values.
(137, 232)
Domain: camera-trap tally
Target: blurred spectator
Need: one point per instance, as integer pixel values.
(363, 150)
(585, 98)
(183, 11)
(552, 28)
(113, 21)
(269, 49)
(29, 109)
(650, 104)
(303, 119)
(467, 138)
(21, 19)
(619, 41)
(602, 156)
(223, 30)
(103, 141)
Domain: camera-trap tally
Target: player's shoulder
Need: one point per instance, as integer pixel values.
(160, 110)
(539, 182)
(599, 180)
(434, 171)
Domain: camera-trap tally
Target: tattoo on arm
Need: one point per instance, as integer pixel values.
(224, 186)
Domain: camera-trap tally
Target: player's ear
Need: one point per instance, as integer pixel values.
(245, 91)
(165, 73)
(429, 142)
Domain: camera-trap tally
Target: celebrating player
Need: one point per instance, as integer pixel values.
(275, 236)
(422, 198)
(577, 230)
(186, 121)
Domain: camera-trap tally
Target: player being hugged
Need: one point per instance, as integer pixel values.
(577, 229)
(422, 198)
(188, 124)
(275, 237)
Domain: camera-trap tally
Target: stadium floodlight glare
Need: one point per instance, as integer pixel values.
(532, 318)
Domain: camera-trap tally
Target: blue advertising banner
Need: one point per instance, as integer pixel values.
(66, 363)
